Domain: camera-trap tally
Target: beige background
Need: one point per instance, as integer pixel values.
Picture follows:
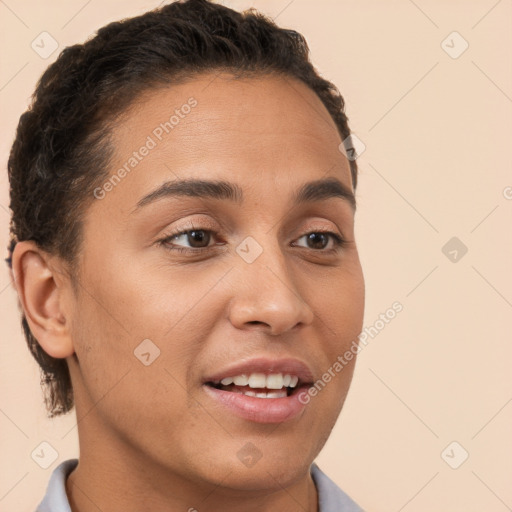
(437, 164)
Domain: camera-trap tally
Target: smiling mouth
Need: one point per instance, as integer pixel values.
(259, 385)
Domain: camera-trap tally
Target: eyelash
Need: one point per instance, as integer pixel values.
(339, 242)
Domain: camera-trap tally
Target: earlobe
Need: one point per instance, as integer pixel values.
(40, 292)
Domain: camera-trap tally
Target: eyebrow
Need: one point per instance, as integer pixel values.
(312, 191)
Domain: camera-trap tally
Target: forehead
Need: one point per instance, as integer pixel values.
(227, 100)
(263, 116)
(258, 132)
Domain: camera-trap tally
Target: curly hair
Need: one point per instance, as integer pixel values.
(62, 147)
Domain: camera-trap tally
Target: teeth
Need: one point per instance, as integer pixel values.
(275, 381)
(260, 380)
(241, 380)
(277, 394)
(270, 394)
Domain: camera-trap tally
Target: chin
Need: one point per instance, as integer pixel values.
(263, 477)
(260, 465)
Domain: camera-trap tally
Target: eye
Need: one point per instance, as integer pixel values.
(319, 240)
(196, 238)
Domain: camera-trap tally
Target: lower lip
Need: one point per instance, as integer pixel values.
(259, 410)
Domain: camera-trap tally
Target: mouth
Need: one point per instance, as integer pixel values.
(259, 385)
(261, 390)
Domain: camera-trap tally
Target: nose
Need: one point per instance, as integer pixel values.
(266, 294)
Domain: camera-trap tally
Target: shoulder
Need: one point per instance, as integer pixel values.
(55, 499)
(330, 497)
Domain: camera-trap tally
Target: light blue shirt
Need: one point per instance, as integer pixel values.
(330, 497)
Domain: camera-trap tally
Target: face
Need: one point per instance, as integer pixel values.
(184, 284)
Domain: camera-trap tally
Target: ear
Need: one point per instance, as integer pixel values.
(40, 286)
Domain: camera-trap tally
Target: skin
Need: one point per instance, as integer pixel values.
(150, 437)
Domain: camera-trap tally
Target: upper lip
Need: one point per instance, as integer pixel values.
(266, 366)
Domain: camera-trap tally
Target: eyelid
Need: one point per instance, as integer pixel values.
(191, 225)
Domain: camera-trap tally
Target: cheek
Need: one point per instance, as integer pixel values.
(102, 345)
(341, 310)
(114, 381)
(340, 305)
(116, 315)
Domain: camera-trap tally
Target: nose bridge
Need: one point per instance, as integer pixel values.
(267, 292)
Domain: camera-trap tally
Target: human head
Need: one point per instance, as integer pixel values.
(62, 146)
